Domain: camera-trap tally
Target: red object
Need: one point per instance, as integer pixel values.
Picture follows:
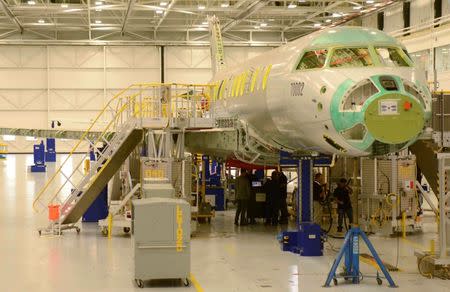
(241, 164)
(407, 105)
(53, 212)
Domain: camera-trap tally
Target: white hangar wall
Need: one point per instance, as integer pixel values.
(71, 84)
(424, 40)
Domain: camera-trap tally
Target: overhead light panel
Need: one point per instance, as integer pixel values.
(357, 7)
(370, 1)
(41, 21)
(159, 11)
(292, 5)
(328, 20)
(64, 5)
(263, 24)
(201, 7)
(224, 5)
(163, 3)
(336, 14)
(98, 3)
(204, 23)
(317, 25)
(256, 27)
(98, 21)
(31, 2)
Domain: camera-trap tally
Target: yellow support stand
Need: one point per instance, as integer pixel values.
(432, 249)
(110, 223)
(404, 224)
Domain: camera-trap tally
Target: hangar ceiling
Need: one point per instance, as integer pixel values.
(244, 22)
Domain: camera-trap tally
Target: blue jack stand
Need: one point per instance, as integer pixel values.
(350, 252)
(50, 154)
(39, 158)
(307, 239)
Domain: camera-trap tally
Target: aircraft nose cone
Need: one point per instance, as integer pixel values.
(394, 118)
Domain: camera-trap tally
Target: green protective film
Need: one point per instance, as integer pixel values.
(346, 120)
(401, 125)
(350, 36)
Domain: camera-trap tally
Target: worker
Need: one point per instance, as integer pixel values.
(283, 198)
(242, 196)
(318, 197)
(272, 188)
(344, 204)
(251, 210)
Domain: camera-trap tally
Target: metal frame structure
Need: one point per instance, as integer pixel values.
(444, 211)
(244, 22)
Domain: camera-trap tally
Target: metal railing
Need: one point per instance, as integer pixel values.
(131, 107)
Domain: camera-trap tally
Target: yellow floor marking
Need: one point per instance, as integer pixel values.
(196, 284)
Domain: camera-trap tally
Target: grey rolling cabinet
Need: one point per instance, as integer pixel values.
(161, 239)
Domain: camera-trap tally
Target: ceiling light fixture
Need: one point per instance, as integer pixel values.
(159, 11)
(317, 25)
(98, 3)
(357, 7)
(98, 21)
(336, 14)
(41, 21)
(201, 7)
(224, 5)
(263, 24)
(31, 2)
(205, 23)
(164, 3)
(370, 1)
(292, 5)
(64, 5)
(328, 20)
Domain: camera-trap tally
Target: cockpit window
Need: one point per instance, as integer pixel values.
(391, 57)
(313, 59)
(351, 57)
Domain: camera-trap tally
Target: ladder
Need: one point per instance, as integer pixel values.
(113, 135)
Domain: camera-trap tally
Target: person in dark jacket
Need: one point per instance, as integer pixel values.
(283, 197)
(272, 189)
(342, 194)
(242, 197)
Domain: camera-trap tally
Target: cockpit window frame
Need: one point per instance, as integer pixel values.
(400, 50)
(376, 61)
(332, 50)
(306, 50)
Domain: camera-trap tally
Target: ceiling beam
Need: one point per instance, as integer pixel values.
(165, 14)
(310, 17)
(126, 16)
(8, 12)
(252, 8)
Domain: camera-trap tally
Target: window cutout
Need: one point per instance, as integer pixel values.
(391, 57)
(351, 57)
(313, 59)
(358, 95)
(357, 132)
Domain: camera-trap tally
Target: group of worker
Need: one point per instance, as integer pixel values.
(275, 189)
(276, 211)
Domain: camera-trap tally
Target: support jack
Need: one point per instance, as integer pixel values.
(350, 252)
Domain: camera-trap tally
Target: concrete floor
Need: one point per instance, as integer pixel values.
(224, 258)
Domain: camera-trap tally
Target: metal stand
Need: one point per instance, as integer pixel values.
(307, 239)
(350, 250)
(437, 264)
